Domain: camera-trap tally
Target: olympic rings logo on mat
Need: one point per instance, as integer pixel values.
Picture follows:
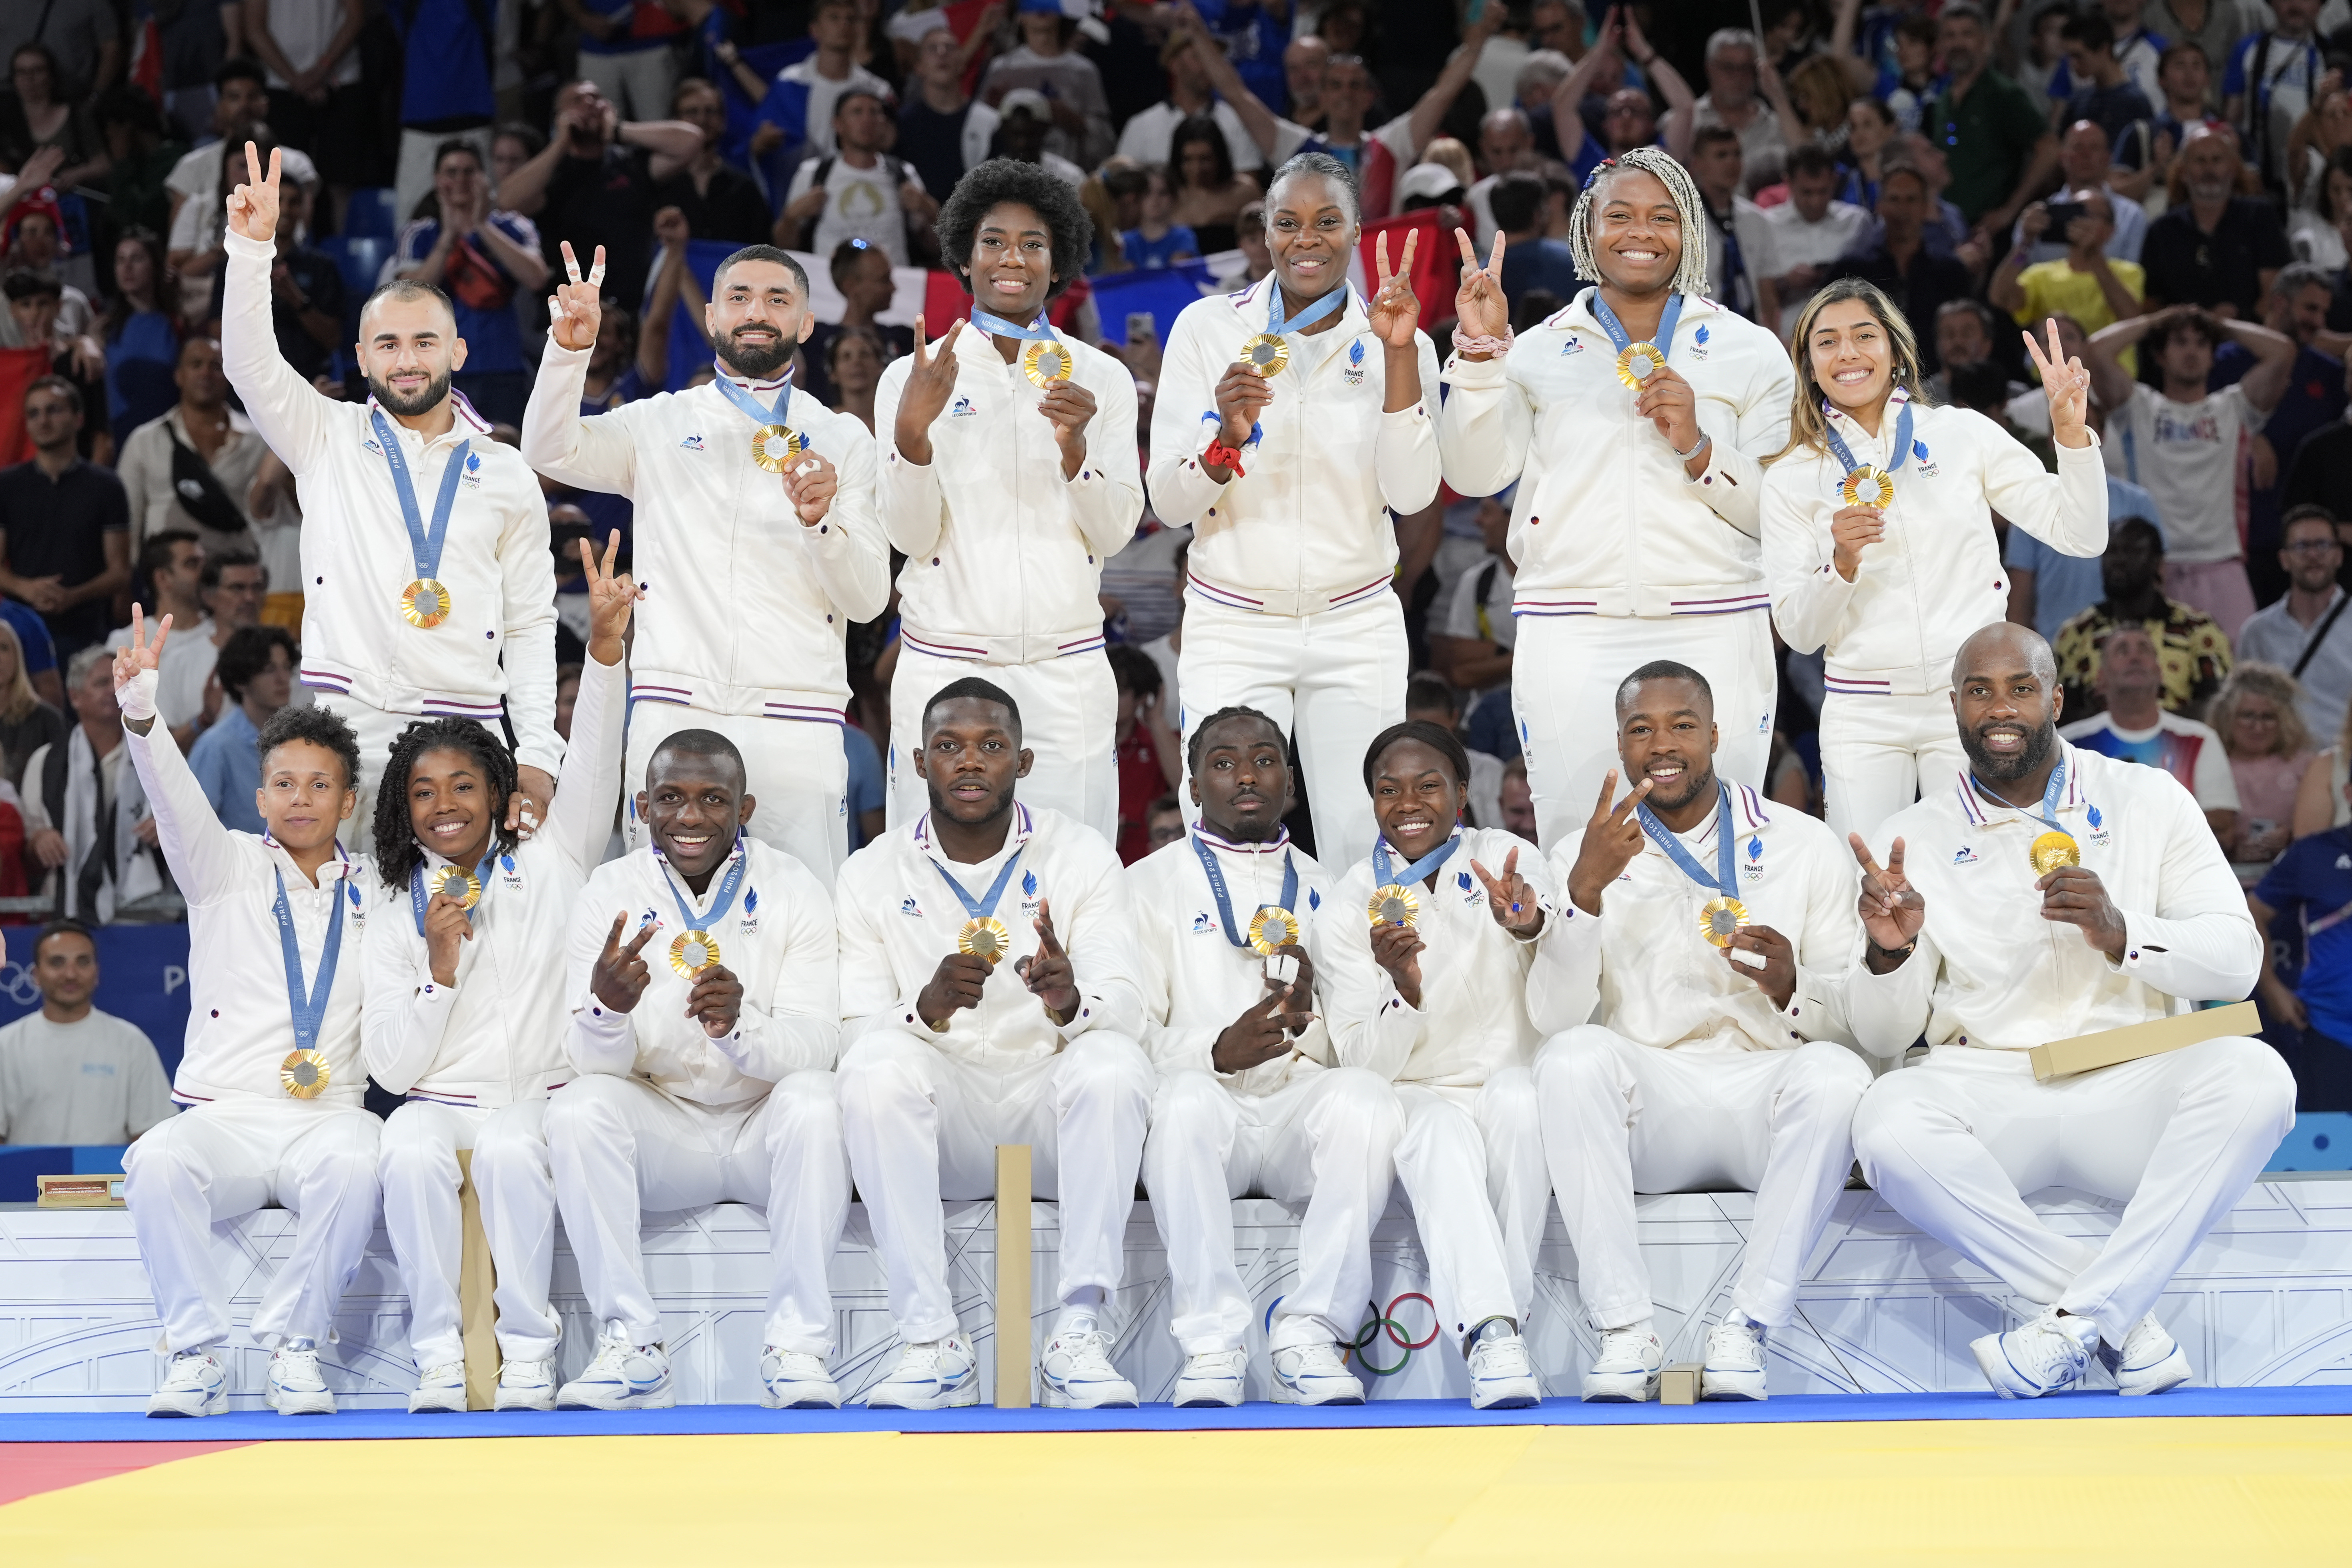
(1370, 1333)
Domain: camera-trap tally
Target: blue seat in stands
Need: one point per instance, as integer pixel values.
(359, 257)
(372, 214)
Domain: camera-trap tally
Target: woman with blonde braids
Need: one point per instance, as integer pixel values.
(1635, 422)
(1879, 544)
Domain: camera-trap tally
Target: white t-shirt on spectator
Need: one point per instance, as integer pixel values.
(1148, 134)
(859, 203)
(2190, 456)
(824, 92)
(303, 29)
(1796, 243)
(1487, 587)
(96, 1080)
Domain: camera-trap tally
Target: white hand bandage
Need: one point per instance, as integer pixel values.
(138, 698)
(1748, 959)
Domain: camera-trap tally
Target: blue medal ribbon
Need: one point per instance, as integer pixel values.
(1621, 340)
(1277, 323)
(2050, 795)
(1224, 900)
(423, 542)
(751, 405)
(308, 1009)
(1384, 871)
(975, 908)
(1037, 331)
(418, 898)
(725, 899)
(1666, 838)
(1844, 454)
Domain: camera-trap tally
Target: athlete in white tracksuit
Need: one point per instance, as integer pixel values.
(272, 1075)
(1290, 608)
(1634, 529)
(1969, 946)
(1438, 1007)
(1248, 1099)
(493, 658)
(1892, 591)
(466, 1013)
(702, 1087)
(945, 1056)
(1703, 1072)
(751, 578)
(1007, 497)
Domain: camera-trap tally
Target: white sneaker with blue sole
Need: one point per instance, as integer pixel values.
(195, 1384)
(1076, 1372)
(940, 1375)
(2041, 1356)
(2150, 1362)
(624, 1377)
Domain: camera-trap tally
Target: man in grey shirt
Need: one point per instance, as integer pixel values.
(69, 1073)
(2307, 620)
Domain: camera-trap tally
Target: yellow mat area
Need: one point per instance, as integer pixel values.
(2177, 1490)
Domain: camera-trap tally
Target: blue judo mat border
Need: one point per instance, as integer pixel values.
(1387, 1415)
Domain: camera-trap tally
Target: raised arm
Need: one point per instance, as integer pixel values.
(527, 575)
(290, 414)
(2109, 379)
(1431, 110)
(1485, 425)
(590, 453)
(672, 143)
(202, 855)
(580, 817)
(2274, 360)
(1264, 126)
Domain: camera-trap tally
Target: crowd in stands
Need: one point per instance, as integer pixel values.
(2170, 180)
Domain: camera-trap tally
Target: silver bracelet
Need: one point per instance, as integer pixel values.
(1700, 446)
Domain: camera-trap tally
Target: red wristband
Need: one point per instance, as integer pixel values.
(1220, 455)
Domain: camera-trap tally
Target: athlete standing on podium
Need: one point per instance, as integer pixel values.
(1636, 421)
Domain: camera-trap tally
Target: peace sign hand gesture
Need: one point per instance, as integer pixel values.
(931, 382)
(611, 596)
(620, 977)
(1612, 839)
(2065, 384)
(1396, 310)
(1510, 900)
(1479, 305)
(1891, 909)
(576, 309)
(253, 205)
(1051, 979)
(135, 672)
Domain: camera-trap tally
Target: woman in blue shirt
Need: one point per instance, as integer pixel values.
(142, 340)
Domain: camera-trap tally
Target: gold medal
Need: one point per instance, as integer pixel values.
(985, 939)
(458, 883)
(1637, 363)
(304, 1075)
(1045, 361)
(1867, 486)
(1394, 905)
(773, 445)
(424, 603)
(1272, 928)
(2052, 851)
(1266, 353)
(692, 952)
(1721, 921)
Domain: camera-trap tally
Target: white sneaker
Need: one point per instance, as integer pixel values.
(193, 1384)
(2150, 1362)
(1210, 1378)
(441, 1388)
(1735, 1360)
(1077, 1371)
(793, 1380)
(295, 1386)
(526, 1385)
(1501, 1376)
(1313, 1373)
(622, 1377)
(2039, 1356)
(1626, 1369)
(938, 1375)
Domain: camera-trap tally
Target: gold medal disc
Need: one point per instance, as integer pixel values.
(985, 939)
(424, 603)
(692, 952)
(2052, 851)
(1637, 363)
(1272, 928)
(1043, 362)
(1867, 486)
(773, 445)
(1721, 921)
(1266, 353)
(457, 882)
(304, 1075)
(1394, 905)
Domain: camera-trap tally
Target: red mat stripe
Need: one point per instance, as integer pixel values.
(28, 1469)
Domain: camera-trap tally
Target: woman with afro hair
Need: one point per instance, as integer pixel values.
(1008, 476)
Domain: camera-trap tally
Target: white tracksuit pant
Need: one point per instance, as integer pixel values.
(1069, 719)
(923, 1127)
(1954, 1142)
(1565, 671)
(798, 773)
(622, 1149)
(1332, 681)
(1881, 753)
(422, 1214)
(1328, 1140)
(1621, 1119)
(222, 1161)
(1471, 1165)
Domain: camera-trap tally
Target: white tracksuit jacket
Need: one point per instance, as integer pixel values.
(1605, 523)
(1472, 1019)
(1660, 982)
(1003, 555)
(496, 1036)
(1196, 983)
(240, 1020)
(1937, 576)
(745, 607)
(778, 940)
(1306, 529)
(898, 918)
(1990, 971)
(499, 639)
